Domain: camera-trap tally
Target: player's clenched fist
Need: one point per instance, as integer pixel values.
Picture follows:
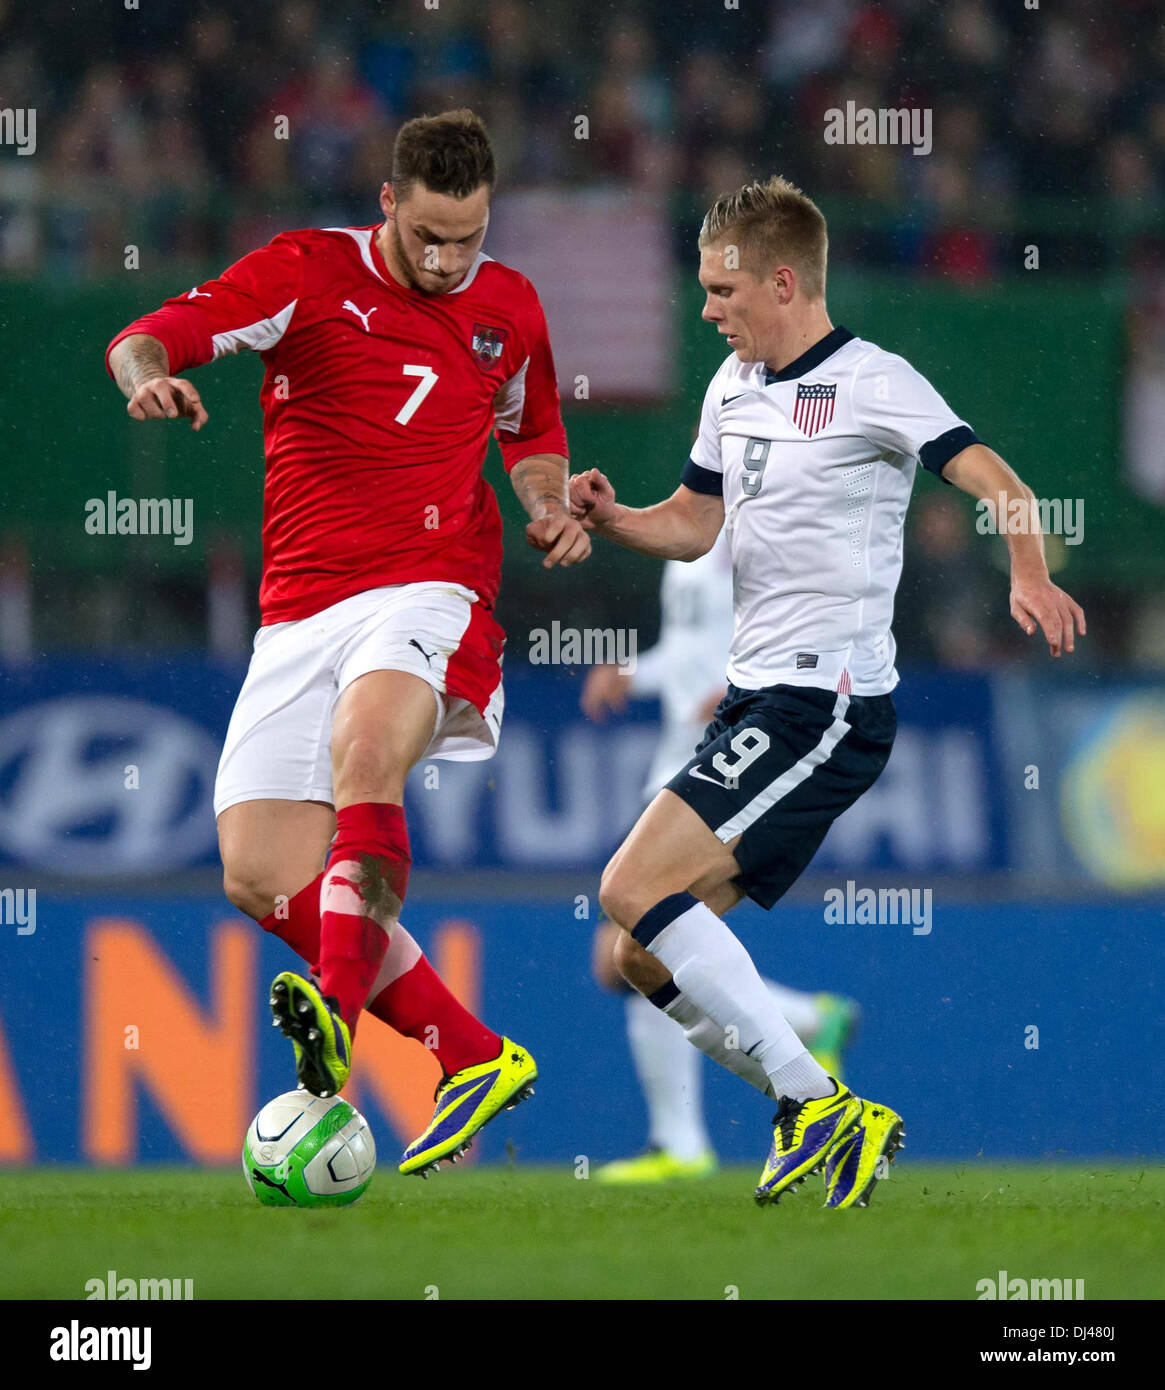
(592, 498)
(562, 537)
(167, 398)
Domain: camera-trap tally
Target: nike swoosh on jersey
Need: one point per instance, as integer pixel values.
(738, 395)
(703, 776)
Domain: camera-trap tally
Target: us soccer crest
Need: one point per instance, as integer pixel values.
(488, 344)
(813, 408)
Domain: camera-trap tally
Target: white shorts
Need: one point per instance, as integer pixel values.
(278, 743)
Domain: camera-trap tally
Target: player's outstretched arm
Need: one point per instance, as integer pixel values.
(540, 481)
(1035, 600)
(682, 527)
(141, 367)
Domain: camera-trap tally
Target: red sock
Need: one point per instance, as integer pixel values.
(363, 887)
(420, 1005)
(411, 1003)
(298, 923)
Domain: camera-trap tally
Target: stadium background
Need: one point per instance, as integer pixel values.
(155, 133)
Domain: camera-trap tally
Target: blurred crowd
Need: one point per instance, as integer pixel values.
(157, 125)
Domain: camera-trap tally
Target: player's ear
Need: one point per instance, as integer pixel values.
(784, 283)
(387, 200)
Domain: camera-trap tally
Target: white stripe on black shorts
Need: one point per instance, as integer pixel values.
(777, 767)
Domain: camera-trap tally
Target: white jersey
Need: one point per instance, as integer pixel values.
(686, 665)
(815, 464)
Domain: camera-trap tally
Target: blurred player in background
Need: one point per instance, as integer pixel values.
(391, 352)
(808, 445)
(685, 671)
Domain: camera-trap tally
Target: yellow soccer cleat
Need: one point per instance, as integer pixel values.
(656, 1166)
(856, 1164)
(466, 1101)
(320, 1037)
(805, 1132)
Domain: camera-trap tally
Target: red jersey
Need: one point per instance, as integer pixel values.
(378, 402)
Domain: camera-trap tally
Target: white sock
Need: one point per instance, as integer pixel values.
(669, 1072)
(710, 965)
(703, 1034)
(799, 1008)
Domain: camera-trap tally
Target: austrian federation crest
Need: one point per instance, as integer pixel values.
(813, 409)
(488, 344)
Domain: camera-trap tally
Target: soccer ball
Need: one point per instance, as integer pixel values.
(302, 1151)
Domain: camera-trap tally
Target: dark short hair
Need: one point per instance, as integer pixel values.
(449, 153)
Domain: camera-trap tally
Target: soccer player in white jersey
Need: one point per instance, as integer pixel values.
(808, 444)
(685, 670)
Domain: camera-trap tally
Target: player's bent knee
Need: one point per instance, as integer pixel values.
(625, 894)
(248, 893)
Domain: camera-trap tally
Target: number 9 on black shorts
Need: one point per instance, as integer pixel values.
(777, 767)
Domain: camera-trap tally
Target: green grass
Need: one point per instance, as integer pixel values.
(931, 1232)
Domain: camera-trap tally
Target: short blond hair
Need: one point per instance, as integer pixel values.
(772, 222)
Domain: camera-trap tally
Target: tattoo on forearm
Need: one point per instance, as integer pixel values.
(138, 359)
(538, 480)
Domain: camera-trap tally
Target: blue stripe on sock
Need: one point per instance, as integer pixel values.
(663, 996)
(663, 914)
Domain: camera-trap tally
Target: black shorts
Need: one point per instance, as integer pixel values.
(777, 767)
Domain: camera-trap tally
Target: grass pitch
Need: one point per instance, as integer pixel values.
(932, 1231)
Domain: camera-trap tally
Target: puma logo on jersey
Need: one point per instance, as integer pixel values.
(363, 317)
(427, 655)
(196, 293)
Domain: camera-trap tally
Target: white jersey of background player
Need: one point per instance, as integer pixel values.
(685, 671)
(685, 668)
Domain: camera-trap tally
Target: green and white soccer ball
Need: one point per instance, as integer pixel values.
(302, 1151)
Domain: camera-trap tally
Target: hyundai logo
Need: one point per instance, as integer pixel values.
(105, 787)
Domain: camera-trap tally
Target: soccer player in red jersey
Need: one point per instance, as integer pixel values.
(391, 352)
